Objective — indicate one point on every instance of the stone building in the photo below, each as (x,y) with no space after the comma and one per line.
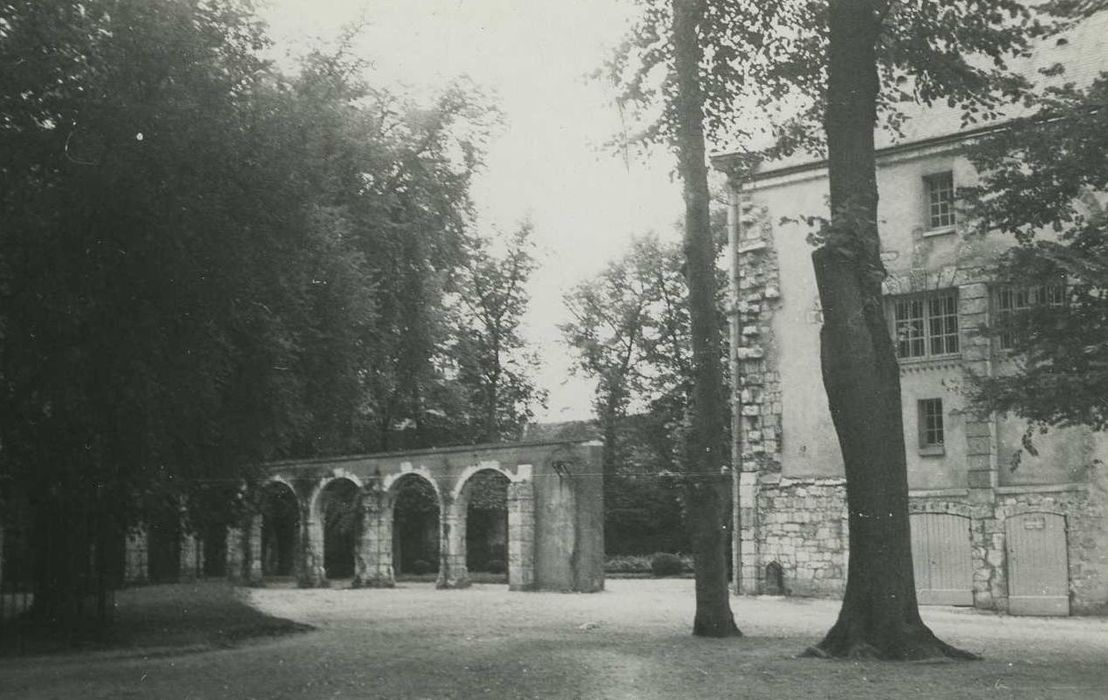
(350,518)
(1032,539)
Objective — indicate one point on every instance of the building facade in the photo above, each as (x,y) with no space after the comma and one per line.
(993,524)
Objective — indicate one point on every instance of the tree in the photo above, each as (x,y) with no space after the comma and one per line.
(196,263)
(1043,180)
(488,355)
(668,36)
(879,616)
(630,332)
(707,452)
(610,317)
(835,71)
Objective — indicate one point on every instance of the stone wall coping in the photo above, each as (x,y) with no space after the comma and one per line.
(938,493)
(485,448)
(803,481)
(1039,488)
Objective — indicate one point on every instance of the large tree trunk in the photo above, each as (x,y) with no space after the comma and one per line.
(880,615)
(706,450)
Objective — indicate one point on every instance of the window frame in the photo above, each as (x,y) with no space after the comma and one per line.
(937,182)
(933,327)
(931,423)
(1051,295)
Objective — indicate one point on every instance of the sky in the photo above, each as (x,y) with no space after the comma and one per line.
(548,161)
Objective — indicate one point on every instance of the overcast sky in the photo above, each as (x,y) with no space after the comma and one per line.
(547,162)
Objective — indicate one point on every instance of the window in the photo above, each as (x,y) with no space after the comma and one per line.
(926,325)
(931,439)
(1009,301)
(940,200)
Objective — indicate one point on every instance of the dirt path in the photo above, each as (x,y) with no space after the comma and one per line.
(629,642)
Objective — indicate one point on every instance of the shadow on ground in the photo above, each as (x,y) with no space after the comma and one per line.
(165,618)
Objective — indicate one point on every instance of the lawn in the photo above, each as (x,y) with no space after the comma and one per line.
(166,617)
(631,641)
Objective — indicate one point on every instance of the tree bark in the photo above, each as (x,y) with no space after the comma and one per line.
(707,452)
(880,615)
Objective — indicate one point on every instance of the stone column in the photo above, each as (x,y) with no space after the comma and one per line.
(373,552)
(135,554)
(452,545)
(312,573)
(748,568)
(253,568)
(982,473)
(188,559)
(521,536)
(236,557)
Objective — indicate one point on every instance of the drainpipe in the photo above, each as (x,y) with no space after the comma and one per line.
(734,235)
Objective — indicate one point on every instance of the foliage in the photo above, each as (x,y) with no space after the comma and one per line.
(631,333)
(666,564)
(627,564)
(206,264)
(488,361)
(421,567)
(630,330)
(496,566)
(488,490)
(769,58)
(1043,180)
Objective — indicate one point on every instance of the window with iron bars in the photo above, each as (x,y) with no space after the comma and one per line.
(925,325)
(1011,300)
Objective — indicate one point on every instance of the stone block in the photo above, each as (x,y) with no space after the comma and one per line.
(978,429)
(980,479)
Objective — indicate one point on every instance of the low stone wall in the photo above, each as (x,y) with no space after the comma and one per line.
(801,526)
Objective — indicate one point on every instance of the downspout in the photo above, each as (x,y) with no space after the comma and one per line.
(734,235)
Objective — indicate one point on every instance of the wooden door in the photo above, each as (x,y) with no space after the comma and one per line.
(1038,564)
(942,560)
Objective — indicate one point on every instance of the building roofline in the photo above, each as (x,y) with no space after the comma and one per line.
(720,160)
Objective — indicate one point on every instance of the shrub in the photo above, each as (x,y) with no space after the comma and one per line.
(496,566)
(421,567)
(666,564)
(627,564)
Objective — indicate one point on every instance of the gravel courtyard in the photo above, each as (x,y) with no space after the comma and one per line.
(631,641)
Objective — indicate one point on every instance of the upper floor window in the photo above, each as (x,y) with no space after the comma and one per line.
(926,325)
(1011,300)
(940,200)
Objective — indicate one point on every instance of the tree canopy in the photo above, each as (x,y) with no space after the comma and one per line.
(1043,182)
(207,263)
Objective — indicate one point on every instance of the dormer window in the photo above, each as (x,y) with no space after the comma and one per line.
(940,201)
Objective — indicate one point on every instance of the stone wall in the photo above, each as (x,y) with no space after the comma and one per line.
(802,528)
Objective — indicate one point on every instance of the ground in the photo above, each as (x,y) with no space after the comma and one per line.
(632,641)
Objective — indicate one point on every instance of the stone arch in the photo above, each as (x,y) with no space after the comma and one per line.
(1012,511)
(414,520)
(467,473)
(339,512)
(518,526)
(963,510)
(485,520)
(388,484)
(314,501)
(279,506)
